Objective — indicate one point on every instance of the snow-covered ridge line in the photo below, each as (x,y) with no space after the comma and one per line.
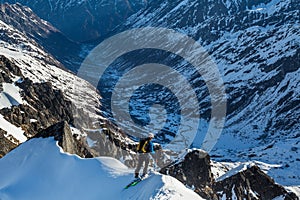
(102,177)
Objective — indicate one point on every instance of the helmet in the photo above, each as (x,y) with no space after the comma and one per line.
(151,135)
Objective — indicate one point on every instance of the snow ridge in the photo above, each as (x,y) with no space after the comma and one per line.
(77,178)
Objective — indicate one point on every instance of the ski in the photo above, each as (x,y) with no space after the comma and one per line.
(133,183)
(136,181)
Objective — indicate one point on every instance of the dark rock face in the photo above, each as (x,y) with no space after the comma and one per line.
(8,67)
(69,143)
(46,106)
(194,171)
(110,141)
(251,183)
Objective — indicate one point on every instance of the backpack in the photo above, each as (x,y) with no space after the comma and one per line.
(143,146)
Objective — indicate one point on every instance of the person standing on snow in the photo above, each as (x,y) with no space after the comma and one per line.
(144,147)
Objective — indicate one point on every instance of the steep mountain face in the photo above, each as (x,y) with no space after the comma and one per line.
(50,108)
(255,45)
(31,107)
(84,20)
(50,38)
(40,67)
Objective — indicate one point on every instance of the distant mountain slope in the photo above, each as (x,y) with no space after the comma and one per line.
(255,45)
(48,37)
(83,20)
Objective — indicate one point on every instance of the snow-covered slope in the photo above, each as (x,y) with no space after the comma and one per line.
(38,169)
(39,67)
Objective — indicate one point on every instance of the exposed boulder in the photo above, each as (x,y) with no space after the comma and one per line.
(62,133)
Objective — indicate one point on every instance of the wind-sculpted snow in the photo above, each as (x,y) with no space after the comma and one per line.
(38,169)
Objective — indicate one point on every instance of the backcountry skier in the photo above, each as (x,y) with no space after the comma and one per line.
(144,148)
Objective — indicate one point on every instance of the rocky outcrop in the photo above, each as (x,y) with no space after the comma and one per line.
(7,69)
(195,172)
(44,106)
(110,141)
(251,183)
(6,145)
(47,106)
(69,143)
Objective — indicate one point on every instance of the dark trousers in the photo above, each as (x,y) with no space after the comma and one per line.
(143,158)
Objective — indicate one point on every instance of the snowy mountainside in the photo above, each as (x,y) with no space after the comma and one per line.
(39,66)
(83,20)
(52,174)
(255,45)
(50,38)
(39,72)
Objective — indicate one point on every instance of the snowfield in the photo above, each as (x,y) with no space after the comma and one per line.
(38,169)
(10,96)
